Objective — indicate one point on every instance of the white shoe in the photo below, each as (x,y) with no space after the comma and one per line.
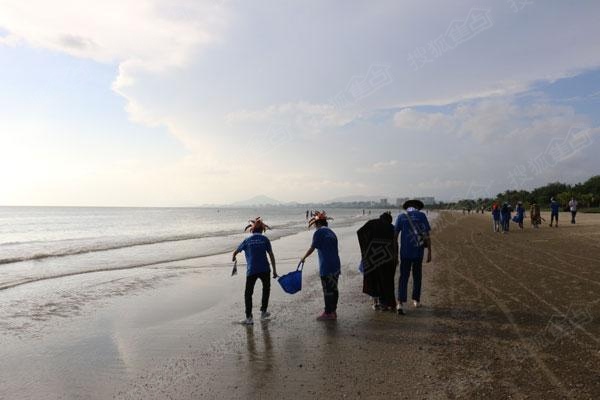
(247,321)
(400,309)
(265,315)
(416,304)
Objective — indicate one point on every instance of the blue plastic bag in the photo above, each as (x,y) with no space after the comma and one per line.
(292,282)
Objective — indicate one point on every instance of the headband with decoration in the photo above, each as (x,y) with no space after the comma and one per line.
(318,216)
(256,225)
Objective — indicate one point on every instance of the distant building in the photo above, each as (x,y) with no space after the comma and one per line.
(383,202)
(428,201)
(400,201)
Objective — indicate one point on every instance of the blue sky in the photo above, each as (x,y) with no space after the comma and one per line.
(157,103)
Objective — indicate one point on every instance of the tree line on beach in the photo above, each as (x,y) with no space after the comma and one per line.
(587,195)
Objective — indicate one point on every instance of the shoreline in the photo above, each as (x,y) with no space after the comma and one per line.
(123,253)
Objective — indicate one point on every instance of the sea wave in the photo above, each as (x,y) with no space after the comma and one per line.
(134,242)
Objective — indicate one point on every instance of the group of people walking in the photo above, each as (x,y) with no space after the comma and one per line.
(257,247)
(378,240)
(502,215)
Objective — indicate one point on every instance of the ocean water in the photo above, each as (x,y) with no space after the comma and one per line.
(39,243)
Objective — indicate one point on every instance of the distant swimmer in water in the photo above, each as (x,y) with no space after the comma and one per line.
(256,248)
(306,214)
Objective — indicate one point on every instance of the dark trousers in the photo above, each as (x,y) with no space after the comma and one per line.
(573,214)
(330,292)
(387,297)
(265,278)
(406,266)
(553,217)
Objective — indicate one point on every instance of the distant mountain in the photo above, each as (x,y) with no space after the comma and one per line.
(260,200)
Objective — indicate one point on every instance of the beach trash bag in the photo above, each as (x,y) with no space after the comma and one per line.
(292,282)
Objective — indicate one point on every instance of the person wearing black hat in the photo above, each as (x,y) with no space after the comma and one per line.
(414,229)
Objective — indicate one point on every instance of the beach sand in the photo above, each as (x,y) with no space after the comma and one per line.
(504,316)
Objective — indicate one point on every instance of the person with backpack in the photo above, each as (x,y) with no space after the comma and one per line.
(326,243)
(413,229)
(255,248)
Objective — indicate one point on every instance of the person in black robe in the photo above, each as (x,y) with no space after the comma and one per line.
(379,259)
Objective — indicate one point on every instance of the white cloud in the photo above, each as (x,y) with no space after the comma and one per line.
(379,166)
(301,117)
(154,33)
(409,118)
(139,35)
(494,120)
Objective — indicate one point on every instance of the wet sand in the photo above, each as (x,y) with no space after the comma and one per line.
(500,320)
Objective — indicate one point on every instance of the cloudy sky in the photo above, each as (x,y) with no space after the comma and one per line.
(181,102)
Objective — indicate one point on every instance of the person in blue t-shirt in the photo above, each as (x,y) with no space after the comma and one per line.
(415,229)
(505,214)
(326,243)
(256,248)
(520,216)
(496,217)
(554,207)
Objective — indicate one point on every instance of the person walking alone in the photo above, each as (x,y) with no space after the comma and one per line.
(554,207)
(573,209)
(256,248)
